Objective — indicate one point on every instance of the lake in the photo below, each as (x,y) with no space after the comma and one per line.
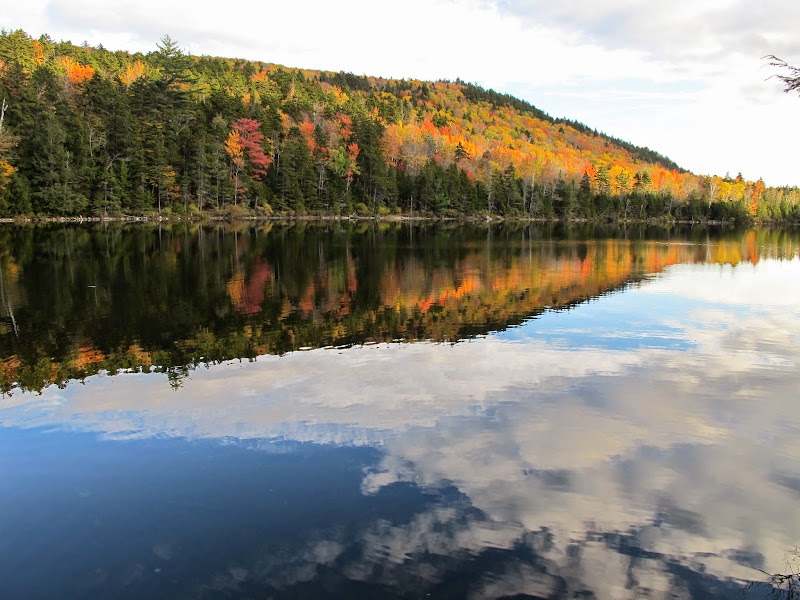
(398,411)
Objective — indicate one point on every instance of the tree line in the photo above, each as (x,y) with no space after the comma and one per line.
(88,131)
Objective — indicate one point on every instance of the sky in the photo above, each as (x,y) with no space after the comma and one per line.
(686,78)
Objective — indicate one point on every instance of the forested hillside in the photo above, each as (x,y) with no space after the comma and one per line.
(87,131)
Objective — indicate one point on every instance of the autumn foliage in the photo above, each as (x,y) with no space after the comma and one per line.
(249,139)
(132,132)
(271,289)
(75,72)
(133,71)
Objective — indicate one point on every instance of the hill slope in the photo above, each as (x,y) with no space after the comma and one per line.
(89,131)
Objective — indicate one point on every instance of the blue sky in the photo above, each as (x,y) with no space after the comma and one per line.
(685,78)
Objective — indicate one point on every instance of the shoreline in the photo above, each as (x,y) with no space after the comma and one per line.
(658,221)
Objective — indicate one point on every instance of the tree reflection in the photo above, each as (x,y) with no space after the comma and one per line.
(79,300)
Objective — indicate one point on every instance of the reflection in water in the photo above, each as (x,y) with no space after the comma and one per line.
(640,445)
(80,301)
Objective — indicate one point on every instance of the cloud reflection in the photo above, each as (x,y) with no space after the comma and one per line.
(694,453)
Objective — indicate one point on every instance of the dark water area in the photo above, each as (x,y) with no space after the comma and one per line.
(387,410)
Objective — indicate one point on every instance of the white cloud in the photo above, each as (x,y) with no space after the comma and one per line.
(690,30)
(770,284)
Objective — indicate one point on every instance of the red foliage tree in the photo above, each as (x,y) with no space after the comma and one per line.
(250,138)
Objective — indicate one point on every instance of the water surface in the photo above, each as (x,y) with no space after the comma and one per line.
(396,411)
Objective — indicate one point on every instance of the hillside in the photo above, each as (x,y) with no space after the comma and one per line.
(93,132)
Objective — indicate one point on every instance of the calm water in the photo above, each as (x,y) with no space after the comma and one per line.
(384,411)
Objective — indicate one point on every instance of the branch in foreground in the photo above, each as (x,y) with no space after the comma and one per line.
(791,82)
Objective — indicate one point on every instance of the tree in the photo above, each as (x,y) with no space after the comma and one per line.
(603,181)
(174,63)
(460,152)
(235,151)
(243,147)
(791,81)
(6,170)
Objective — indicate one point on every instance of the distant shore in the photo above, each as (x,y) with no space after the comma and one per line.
(221,218)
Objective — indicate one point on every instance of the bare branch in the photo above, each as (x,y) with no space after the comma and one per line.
(3,109)
(791,82)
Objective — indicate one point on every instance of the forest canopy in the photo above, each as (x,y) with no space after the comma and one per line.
(88,131)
